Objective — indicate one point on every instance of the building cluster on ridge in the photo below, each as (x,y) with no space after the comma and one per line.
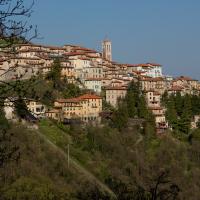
(93,71)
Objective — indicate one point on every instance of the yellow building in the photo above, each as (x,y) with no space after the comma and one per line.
(153,100)
(85,108)
(113,94)
(156,84)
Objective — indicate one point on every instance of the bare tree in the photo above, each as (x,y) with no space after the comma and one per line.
(13,22)
(14,30)
(159,188)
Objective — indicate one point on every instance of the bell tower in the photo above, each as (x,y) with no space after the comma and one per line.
(107,49)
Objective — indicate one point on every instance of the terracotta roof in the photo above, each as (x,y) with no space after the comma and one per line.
(116,88)
(93,56)
(71,100)
(84,58)
(132,65)
(78,99)
(176,88)
(89,96)
(147,78)
(185,78)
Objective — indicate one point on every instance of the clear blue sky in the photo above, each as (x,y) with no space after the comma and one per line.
(163,31)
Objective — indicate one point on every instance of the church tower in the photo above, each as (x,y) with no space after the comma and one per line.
(107,50)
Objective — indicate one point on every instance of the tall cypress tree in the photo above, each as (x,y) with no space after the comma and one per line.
(120,116)
(142,108)
(185,118)
(178,103)
(130,99)
(55,74)
(171,114)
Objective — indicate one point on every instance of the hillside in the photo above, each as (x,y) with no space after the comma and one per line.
(42,171)
(103,163)
(115,160)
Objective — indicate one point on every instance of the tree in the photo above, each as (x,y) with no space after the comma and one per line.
(55,74)
(178,103)
(13,31)
(28,188)
(131,100)
(4,125)
(195,101)
(21,108)
(142,108)
(8,151)
(71,90)
(160,188)
(13,27)
(171,114)
(91,192)
(120,116)
(185,118)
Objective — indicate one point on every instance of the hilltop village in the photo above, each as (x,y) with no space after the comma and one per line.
(96,72)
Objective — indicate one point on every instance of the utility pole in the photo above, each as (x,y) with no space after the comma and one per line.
(68,155)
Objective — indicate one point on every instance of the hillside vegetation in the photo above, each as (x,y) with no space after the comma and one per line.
(115,160)
(127,163)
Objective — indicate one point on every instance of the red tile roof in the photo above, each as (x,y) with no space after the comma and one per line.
(78,99)
(89,96)
(184,78)
(116,88)
(71,100)
(176,88)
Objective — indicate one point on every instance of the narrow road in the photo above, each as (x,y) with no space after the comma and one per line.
(74,163)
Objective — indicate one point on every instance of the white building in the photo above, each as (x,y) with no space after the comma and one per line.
(94,84)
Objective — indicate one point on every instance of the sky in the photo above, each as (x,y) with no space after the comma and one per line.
(162,31)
